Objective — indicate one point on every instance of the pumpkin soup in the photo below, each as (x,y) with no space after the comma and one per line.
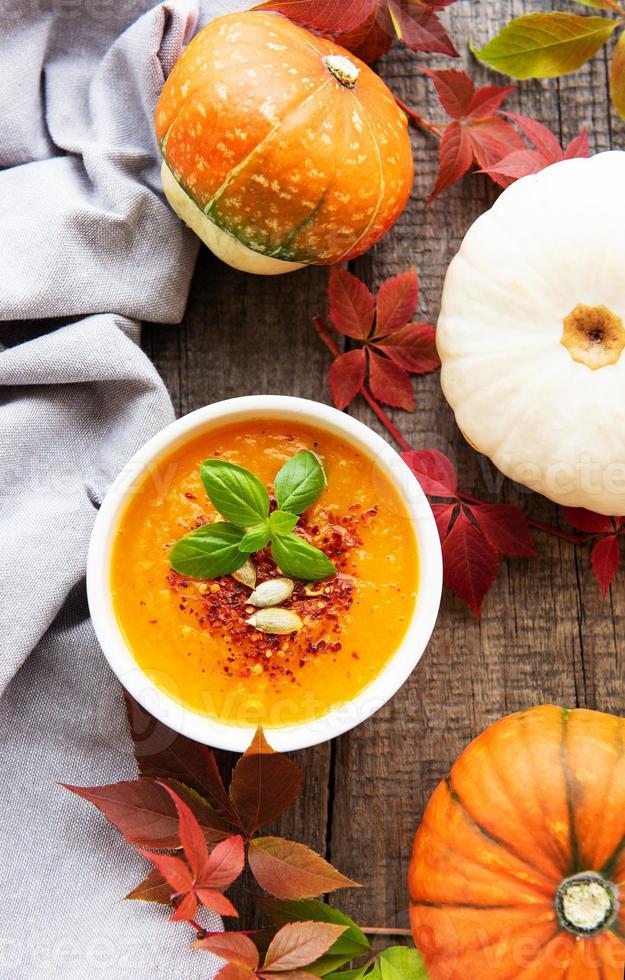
(264,572)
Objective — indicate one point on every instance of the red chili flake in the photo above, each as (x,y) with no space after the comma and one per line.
(190,496)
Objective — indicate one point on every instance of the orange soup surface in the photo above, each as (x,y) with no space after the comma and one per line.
(190,636)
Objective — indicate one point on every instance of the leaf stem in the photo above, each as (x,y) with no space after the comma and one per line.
(324,333)
(375,931)
(538,525)
(419,121)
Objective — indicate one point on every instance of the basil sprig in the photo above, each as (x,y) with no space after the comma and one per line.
(239,496)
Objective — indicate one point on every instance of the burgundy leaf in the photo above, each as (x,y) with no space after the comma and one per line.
(371,39)
(413,348)
(455,157)
(443,514)
(519,164)
(140,809)
(347,376)
(542,138)
(419,28)
(397,301)
(505,528)
(163,754)
(605,560)
(330,17)
(488,100)
(264,784)
(455,90)
(470,564)
(493,139)
(587,520)
(434,471)
(389,383)
(351,304)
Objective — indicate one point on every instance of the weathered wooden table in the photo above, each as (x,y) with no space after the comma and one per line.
(545,634)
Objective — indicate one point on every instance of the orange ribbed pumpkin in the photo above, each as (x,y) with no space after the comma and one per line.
(280,148)
(519,863)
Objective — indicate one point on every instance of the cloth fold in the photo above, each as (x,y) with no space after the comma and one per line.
(84,231)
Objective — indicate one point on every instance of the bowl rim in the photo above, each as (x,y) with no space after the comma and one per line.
(203,728)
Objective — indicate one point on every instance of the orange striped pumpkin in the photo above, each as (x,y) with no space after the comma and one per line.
(280,148)
(519,863)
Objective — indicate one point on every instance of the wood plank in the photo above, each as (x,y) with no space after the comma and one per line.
(545,635)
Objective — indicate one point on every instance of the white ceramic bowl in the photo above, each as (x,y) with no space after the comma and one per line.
(399,667)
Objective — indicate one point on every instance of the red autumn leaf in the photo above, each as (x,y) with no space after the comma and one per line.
(373,38)
(153,888)
(470,563)
(220,867)
(455,90)
(264,784)
(455,157)
(488,100)
(443,514)
(505,528)
(347,376)
(389,383)
(605,560)
(299,944)
(578,147)
(140,809)
(233,972)
(412,348)
(162,753)
(235,947)
(288,870)
(290,975)
(492,139)
(329,17)
(396,302)
(417,25)
(587,520)
(546,151)
(434,471)
(351,304)
(201,875)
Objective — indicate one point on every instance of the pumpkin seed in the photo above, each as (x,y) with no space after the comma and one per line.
(272,593)
(246,574)
(277,621)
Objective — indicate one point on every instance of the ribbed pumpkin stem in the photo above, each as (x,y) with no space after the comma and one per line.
(344,70)
(586,903)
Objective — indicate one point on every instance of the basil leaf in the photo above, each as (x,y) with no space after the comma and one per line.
(299,559)
(300,482)
(238,495)
(256,538)
(281,522)
(209,551)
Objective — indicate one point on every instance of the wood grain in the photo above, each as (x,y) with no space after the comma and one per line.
(545,635)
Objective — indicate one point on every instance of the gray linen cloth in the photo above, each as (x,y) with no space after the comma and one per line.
(84,232)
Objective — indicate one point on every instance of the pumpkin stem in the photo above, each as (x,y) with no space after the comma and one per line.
(593,335)
(344,70)
(586,903)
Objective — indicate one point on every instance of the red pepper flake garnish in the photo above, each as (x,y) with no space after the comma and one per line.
(221,607)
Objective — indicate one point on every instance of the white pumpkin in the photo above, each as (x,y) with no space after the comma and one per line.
(532,330)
